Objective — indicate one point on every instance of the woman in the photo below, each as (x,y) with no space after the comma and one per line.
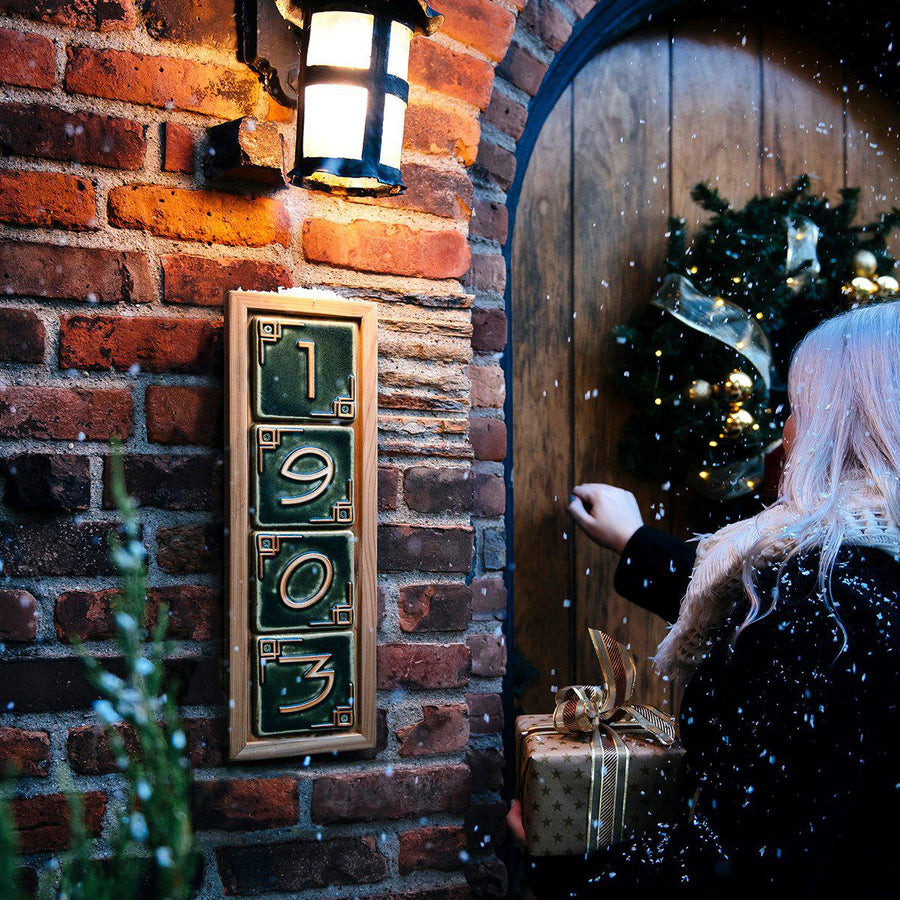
(789,631)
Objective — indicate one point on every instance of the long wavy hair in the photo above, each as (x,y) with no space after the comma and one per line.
(840,483)
(843,469)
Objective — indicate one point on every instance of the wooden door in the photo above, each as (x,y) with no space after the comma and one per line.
(742,105)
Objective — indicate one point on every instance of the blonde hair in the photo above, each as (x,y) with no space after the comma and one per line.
(840,485)
(843,469)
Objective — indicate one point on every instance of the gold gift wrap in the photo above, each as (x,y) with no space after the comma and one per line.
(598,770)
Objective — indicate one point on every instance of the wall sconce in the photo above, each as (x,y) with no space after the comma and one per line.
(349,76)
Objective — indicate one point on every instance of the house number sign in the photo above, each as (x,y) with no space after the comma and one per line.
(302,411)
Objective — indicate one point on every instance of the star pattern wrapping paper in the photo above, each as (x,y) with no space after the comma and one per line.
(555,779)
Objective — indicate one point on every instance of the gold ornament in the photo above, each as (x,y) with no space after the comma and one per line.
(738,387)
(888,284)
(699,391)
(737,422)
(865,263)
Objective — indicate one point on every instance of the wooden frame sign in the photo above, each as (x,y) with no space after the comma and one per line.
(302,429)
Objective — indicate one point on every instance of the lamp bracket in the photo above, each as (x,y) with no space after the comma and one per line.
(270,45)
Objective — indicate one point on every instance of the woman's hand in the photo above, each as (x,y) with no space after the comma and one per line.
(514,823)
(607,514)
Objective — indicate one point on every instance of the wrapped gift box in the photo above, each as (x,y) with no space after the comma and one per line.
(598,770)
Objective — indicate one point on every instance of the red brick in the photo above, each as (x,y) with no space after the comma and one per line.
(488,387)
(523,69)
(367,796)
(490,495)
(487,877)
(162,81)
(190,549)
(184,415)
(487,273)
(207,216)
(488,654)
(56,413)
(21,336)
(435,607)
(489,327)
(442,131)
(422,665)
(89,138)
(440,847)
(547,21)
(167,481)
(436,489)
(95,15)
(490,219)
(389,249)
(442,729)
(450,72)
(74,273)
(486,26)
(47,200)
(211,23)
(207,742)
(580,7)
(55,547)
(388,484)
(435,191)
(57,481)
(409,547)
(487,769)
(194,613)
(488,438)
(89,751)
(154,344)
(42,821)
(496,164)
(24,753)
(245,804)
(202,281)
(485,713)
(506,114)
(488,597)
(293,867)
(18,616)
(26,60)
(178,148)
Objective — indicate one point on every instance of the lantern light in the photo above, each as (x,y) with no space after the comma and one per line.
(352,91)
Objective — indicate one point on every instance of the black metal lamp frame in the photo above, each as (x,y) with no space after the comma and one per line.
(278,50)
(378,83)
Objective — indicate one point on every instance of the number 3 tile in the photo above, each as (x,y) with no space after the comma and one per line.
(304,683)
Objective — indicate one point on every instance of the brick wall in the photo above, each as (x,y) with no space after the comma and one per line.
(115,254)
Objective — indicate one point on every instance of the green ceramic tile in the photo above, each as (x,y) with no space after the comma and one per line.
(302,580)
(304,684)
(302,475)
(303,369)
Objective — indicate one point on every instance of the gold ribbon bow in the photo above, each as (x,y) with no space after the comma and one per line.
(603,711)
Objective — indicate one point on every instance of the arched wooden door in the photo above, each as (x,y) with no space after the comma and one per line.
(742,105)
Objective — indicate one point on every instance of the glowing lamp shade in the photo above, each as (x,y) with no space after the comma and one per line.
(353,94)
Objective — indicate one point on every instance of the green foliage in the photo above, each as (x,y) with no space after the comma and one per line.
(152,847)
(152,837)
(741,256)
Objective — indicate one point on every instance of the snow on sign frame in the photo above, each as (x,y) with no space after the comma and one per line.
(302,474)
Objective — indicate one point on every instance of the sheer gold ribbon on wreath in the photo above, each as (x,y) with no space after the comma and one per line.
(727,323)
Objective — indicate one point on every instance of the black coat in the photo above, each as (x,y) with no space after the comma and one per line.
(793,742)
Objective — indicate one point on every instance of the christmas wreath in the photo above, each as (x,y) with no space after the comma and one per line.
(705,365)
